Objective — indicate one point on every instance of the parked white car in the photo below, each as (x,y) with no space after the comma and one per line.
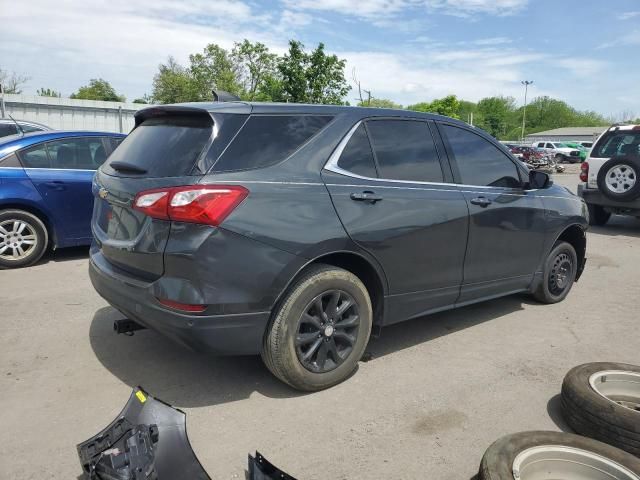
(611,175)
(560,151)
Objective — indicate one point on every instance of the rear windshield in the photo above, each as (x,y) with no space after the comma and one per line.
(165,147)
(618,143)
(268,139)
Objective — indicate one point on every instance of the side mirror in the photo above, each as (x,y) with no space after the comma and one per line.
(539,179)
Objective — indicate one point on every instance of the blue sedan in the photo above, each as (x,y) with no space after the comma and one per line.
(45,191)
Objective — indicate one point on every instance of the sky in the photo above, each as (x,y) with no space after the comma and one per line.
(583,52)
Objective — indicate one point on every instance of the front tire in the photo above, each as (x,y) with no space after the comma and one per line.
(598,215)
(319,330)
(23,239)
(559,273)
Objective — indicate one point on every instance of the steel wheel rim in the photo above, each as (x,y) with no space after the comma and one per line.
(560,274)
(568,463)
(18,239)
(620,178)
(618,386)
(327,331)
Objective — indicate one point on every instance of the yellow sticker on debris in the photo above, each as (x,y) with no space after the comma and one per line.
(141,396)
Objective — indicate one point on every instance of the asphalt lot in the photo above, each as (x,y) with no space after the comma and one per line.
(436,392)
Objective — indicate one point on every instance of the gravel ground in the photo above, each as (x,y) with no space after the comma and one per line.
(436,392)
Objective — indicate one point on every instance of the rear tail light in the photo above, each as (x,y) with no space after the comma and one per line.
(206,204)
(584,171)
(184,307)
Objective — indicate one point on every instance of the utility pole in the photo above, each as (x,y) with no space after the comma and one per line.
(526,84)
(2,100)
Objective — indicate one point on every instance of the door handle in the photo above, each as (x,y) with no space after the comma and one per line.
(482,201)
(55,185)
(366,196)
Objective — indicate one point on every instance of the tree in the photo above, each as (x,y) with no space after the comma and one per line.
(12,82)
(379,103)
(447,106)
(98,89)
(173,84)
(255,70)
(213,69)
(312,78)
(48,92)
(497,115)
(144,99)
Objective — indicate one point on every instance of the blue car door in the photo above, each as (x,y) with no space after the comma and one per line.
(62,171)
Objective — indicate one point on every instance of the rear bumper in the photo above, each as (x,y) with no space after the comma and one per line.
(231,334)
(594,197)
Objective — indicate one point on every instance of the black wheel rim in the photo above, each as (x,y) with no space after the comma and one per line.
(327,331)
(560,275)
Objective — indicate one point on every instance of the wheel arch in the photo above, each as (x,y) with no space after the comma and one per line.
(362,267)
(38,212)
(576,236)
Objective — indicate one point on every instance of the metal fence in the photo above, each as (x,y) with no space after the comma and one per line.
(71,114)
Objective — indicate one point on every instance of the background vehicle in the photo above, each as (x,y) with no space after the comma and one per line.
(578,146)
(611,175)
(45,191)
(9,127)
(301,228)
(559,151)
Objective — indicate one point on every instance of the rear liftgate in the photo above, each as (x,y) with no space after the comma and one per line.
(148,441)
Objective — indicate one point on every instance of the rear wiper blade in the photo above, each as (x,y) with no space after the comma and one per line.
(126,167)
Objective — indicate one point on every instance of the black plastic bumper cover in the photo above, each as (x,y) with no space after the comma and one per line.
(148,441)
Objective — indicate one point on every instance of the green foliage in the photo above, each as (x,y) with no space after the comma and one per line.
(379,103)
(496,113)
(448,106)
(312,77)
(98,89)
(48,92)
(213,69)
(256,71)
(173,84)
(144,99)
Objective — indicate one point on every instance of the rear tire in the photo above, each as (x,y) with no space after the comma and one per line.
(559,273)
(619,179)
(598,215)
(23,239)
(559,455)
(307,345)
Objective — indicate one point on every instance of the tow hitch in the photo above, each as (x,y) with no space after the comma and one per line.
(126,326)
(148,441)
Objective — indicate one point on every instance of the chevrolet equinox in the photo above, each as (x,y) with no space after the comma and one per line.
(293,231)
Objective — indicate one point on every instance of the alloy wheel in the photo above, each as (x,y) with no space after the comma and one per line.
(327,331)
(620,178)
(17,239)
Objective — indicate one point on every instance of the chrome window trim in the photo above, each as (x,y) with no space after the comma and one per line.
(332,166)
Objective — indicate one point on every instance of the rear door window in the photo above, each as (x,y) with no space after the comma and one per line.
(405,150)
(165,146)
(268,139)
(35,157)
(7,129)
(479,161)
(77,153)
(357,156)
(618,143)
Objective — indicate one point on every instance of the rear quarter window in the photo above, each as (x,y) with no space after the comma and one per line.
(618,143)
(268,139)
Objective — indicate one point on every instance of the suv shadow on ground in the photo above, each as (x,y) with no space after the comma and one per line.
(188,379)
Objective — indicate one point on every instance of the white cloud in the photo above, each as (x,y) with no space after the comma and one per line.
(382,10)
(628,15)
(631,38)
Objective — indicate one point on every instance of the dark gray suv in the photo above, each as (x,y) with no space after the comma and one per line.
(293,230)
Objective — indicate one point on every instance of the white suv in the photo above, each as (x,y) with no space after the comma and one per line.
(611,174)
(560,151)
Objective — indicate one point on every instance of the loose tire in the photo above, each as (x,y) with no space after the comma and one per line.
(619,179)
(547,455)
(320,329)
(559,273)
(23,239)
(602,401)
(598,215)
